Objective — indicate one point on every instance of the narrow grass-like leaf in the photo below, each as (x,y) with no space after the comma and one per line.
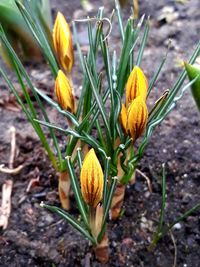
(105,52)
(29,116)
(54,104)
(77,192)
(80,54)
(119,16)
(165,109)
(21,72)
(143,43)
(182,217)
(95,111)
(179,82)
(99,103)
(162,211)
(107,207)
(82,104)
(106,173)
(124,57)
(67,131)
(79,157)
(100,135)
(156,74)
(40,37)
(65,215)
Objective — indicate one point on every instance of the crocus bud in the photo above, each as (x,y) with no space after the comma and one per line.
(123,117)
(91,179)
(137,118)
(63,92)
(62,40)
(137,84)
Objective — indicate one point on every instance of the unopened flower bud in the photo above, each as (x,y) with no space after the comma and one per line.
(137,118)
(137,84)
(92,179)
(62,40)
(63,92)
(123,117)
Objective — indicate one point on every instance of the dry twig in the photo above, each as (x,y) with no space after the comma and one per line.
(5,208)
(12,146)
(147,179)
(11,171)
(175,248)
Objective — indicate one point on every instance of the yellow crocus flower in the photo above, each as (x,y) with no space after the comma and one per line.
(63,92)
(91,179)
(137,84)
(62,40)
(136,118)
(123,117)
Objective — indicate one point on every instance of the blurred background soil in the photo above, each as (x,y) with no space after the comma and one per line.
(35,237)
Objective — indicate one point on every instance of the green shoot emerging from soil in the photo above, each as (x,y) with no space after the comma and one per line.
(162,228)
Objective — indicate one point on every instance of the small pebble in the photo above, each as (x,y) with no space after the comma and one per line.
(144,219)
(177,226)
(147,194)
(49,219)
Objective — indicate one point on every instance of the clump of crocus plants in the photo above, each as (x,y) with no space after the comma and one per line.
(104,124)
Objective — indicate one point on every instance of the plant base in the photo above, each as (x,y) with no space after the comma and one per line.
(117,201)
(102,250)
(64,190)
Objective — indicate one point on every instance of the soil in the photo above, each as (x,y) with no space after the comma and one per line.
(35,237)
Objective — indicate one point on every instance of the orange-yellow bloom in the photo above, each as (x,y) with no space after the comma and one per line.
(137,84)
(92,179)
(123,117)
(62,40)
(137,118)
(63,92)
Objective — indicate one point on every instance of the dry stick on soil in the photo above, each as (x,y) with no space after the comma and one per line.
(12,146)
(175,248)
(5,209)
(6,203)
(35,180)
(147,179)
(11,171)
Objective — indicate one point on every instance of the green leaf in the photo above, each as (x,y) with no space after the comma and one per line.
(156,74)
(35,27)
(65,215)
(192,73)
(30,117)
(66,113)
(67,131)
(21,73)
(158,232)
(77,192)
(119,16)
(143,43)
(107,206)
(99,102)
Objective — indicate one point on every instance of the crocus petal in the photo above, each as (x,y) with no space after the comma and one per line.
(62,40)
(137,118)
(123,117)
(137,84)
(63,92)
(91,179)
